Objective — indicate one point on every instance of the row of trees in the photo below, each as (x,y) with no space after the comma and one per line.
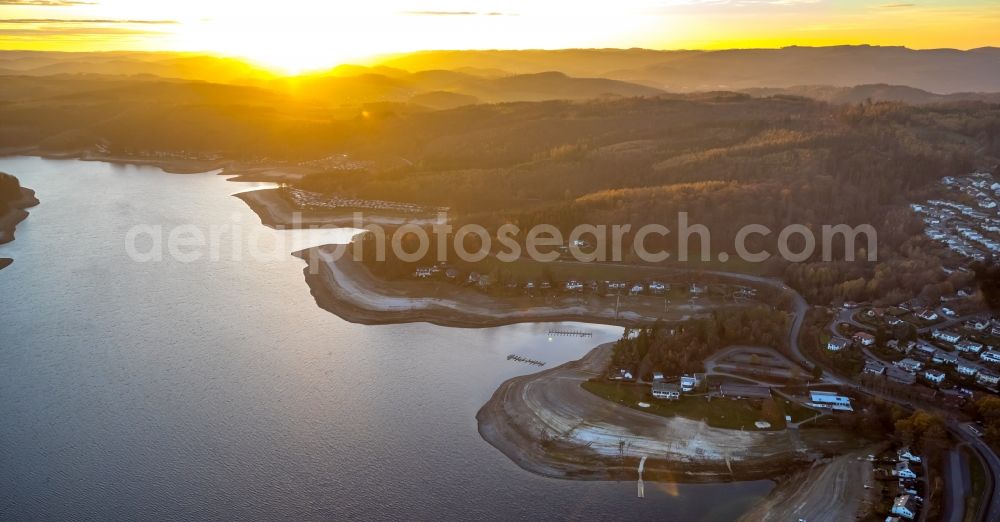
(682,349)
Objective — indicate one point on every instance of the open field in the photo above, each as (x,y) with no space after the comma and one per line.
(716,412)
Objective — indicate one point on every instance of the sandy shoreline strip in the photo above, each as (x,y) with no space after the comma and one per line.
(346,288)
(275,212)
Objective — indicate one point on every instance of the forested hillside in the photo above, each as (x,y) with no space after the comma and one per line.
(727,159)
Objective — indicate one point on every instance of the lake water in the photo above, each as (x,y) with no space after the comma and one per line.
(217,389)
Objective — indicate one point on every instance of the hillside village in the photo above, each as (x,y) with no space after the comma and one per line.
(969,224)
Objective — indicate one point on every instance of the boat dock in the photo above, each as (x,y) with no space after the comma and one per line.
(518,358)
(571,333)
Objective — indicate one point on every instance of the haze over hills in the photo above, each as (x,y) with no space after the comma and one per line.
(940,70)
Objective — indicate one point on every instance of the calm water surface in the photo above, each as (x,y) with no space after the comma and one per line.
(218,390)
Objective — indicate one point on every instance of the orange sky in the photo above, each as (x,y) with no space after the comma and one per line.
(295,35)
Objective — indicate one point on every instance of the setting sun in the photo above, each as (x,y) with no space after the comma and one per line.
(303,35)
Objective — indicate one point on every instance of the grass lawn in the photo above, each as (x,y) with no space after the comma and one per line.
(718,413)
(797,411)
(978,476)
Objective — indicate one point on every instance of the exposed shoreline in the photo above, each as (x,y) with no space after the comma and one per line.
(582,433)
(275,212)
(347,289)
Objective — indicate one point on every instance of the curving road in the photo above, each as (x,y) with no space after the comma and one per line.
(990,510)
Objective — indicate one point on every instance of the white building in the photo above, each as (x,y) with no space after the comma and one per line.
(988,378)
(836,344)
(966,368)
(662,390)
(830,400)
(902,470)
(935,376)
(990,356)
(904,453)
(946,336)
(689,383)
(969,346)
(864,339)
(910,365)
(905,506)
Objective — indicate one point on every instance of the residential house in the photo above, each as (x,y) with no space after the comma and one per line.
(987,378)
(657,376)
(668,391)
(969,346)
(622,375)
(992,356)
(934,376)
(979,325)
(836,344)
(903,348)
(904,453)
(910,365)
(946,336)
(874,367)
(690,382)
(902,470)
(830,400)
(967,368)
(864,339)
(945,358)
(928,314)
(924,351)
(615,286)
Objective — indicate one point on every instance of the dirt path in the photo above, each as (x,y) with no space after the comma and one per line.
(832,491)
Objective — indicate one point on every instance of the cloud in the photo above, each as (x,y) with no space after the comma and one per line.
(34,33)
(45,3)
(455,13)
(11,21)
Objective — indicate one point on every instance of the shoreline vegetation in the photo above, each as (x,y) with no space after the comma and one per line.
(14,200)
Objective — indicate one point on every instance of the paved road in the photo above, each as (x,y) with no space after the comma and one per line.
(991,507)
(990,510)
(954,475)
